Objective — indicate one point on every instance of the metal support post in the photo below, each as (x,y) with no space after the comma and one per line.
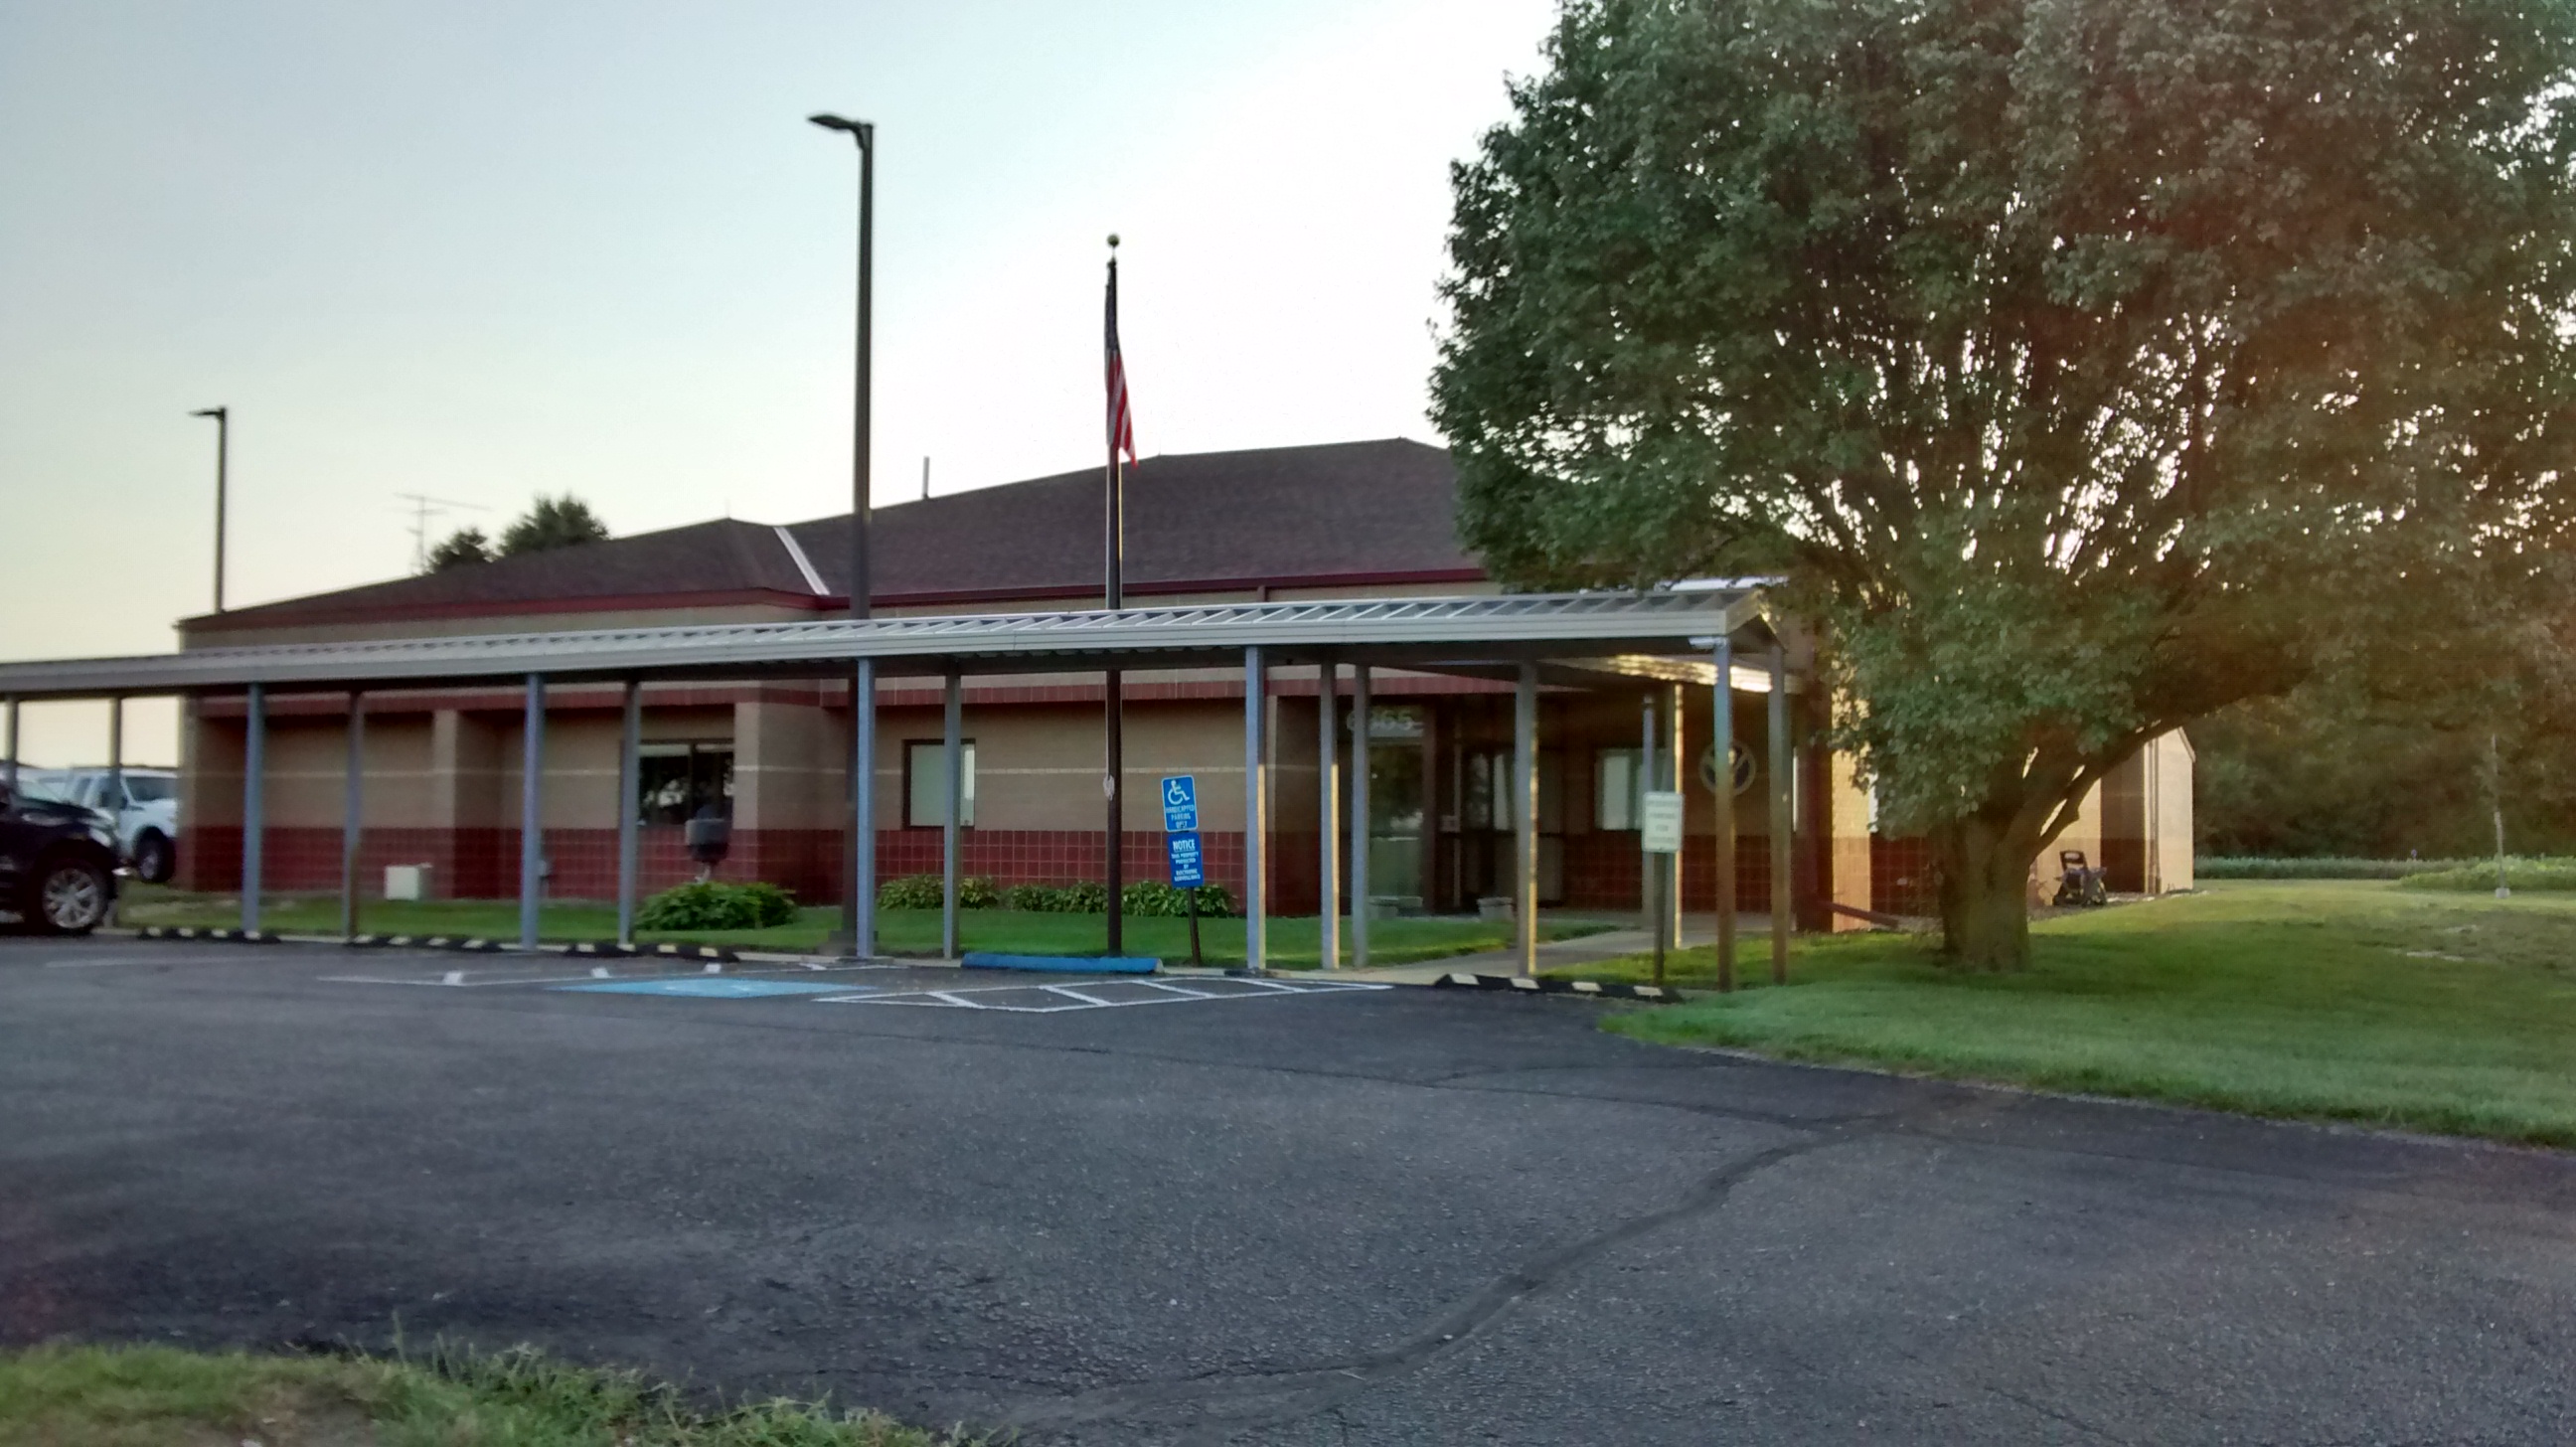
(254,812)
(1650,869)
(1256,821)
(1328,804)
(117,803)
(1525,818)
(1113,790)
(630,800)
(1721,739)
(116,760)
(532,797)
(863,810)
(353,813)
(10,764)
(1783,770)
(1359,816)
(1677,768)
(953,807)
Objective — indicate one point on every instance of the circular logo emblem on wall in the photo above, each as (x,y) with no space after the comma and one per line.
(1737,755)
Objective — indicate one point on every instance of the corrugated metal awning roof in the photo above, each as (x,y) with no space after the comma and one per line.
(1392,631)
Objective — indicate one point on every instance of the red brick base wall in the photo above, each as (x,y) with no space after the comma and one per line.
(484,863)
(1602,871)
(1902,876)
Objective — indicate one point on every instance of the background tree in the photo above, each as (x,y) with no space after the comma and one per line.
(553,522)
(2331,770)
(463,546)
(2084,366)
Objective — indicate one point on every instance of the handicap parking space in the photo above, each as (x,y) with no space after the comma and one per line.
(896,983)
(703,987)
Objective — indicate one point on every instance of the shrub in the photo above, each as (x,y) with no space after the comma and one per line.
(711,906)
(1036,898)
(2519,874)
(912,891)
(1142,897)
(1154,897)
(2246,867)
(925,891)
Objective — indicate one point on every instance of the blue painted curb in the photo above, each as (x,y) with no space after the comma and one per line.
(1062,964)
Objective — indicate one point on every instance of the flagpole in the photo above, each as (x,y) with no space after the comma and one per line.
(1114,781)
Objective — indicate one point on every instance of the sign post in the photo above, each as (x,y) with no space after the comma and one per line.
(1181,847)
(1659,825)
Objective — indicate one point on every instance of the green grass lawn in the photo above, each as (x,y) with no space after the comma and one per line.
(2338,1000)
(72,1396)
(1295,943)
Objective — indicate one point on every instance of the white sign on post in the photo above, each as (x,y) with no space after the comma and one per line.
(1660,820)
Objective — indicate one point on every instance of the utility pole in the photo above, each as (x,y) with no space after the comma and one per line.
(223,449)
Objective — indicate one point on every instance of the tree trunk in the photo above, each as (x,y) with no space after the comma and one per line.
(1985,892)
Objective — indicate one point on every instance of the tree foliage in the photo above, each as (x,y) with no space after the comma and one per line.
(2331,770)
(2083,366)
(461,547)
(553,522)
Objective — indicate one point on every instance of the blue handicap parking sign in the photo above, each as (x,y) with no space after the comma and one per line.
(1180,804)
(1183,846)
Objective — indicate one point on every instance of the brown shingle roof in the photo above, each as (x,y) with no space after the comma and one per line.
(1345,512)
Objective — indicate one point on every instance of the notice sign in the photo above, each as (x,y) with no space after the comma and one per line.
(1184,851)
(1660,820)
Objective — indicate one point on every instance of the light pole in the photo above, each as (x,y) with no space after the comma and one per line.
(223,446)
(858,915)
(865,133)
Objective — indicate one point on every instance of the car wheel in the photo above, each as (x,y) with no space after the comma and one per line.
(154,860)
(70,897)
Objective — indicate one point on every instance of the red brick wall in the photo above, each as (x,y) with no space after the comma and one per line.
(484,863)
(1902,877)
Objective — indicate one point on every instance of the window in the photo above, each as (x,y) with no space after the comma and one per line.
(148,788)
(1618,783)
(925,783)
(675,781)
(1489,790)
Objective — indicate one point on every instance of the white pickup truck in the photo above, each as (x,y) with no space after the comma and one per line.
(147,816)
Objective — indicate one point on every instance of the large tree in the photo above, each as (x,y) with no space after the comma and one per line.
(2081,366)
(550,523)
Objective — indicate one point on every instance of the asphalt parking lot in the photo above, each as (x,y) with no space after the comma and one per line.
(1274,1216)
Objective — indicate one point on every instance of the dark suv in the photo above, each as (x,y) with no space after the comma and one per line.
(57,863)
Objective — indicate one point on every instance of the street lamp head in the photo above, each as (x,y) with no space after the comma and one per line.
(214,412)
(859,130)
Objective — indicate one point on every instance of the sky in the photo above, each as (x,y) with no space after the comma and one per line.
(479,251)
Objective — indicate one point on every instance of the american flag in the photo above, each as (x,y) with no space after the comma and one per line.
(1122,423)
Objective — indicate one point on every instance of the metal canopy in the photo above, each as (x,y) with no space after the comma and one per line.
(1388,631)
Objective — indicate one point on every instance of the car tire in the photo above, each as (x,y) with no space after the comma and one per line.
(70,896)
(154,860)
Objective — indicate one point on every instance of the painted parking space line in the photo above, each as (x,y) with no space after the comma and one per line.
(159,959)
(1099,994)
(504,978)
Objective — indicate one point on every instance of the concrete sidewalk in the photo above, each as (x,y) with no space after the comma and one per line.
(1697,930)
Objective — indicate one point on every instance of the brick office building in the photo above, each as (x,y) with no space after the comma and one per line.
(1370,519)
